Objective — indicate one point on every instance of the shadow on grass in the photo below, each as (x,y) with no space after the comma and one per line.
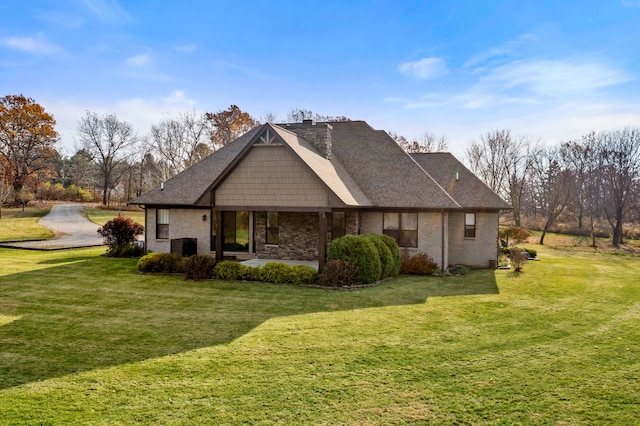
(98,312)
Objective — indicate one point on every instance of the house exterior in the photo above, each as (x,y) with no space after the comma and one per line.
(285,191)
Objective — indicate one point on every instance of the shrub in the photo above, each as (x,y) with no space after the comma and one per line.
(418,264)
(231,271)
(198,267)
(532,252)
(303,274)
(360,251)
(395,253)
(513,232)
(128,250)
(386,258)
(459,270)
(168,263)
(119,232)
(274,272)
(517,259)
(339,273)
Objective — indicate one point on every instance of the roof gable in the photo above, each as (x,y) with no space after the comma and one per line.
(464,186)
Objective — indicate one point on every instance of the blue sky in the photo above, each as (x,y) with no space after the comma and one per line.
(552,70)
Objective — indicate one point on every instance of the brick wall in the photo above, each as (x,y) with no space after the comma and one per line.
(476,251)
(298,236)
(183,223)
(429,232)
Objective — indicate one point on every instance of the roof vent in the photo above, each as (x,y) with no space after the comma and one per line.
(161,186)
(457,176)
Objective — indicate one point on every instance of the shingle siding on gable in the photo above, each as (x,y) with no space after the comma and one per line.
(476,251)
(271,176)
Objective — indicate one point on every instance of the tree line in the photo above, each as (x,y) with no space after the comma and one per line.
(110,157)
(592,182)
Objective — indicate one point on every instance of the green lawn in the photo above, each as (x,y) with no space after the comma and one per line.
(102,216)
(84,339)
(18,225)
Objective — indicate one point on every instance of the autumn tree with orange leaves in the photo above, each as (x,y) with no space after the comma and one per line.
(27,137)
(228,125)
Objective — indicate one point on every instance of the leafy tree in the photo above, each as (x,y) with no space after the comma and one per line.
(27,137)
(228,125)
(110,142)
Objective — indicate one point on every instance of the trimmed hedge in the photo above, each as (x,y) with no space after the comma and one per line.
(386,258)
(395,253)
(167,263)
(360,251)
(231,271)
(272,272)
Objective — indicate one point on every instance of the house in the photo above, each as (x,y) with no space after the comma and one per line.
(285,191)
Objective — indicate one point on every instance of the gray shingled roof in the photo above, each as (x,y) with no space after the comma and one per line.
(366,169)
(468,190)
(189,186)
(383,171)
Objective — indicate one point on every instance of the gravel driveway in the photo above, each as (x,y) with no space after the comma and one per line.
(72,230)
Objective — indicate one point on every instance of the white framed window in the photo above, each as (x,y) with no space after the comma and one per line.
(469,225)
(162,224)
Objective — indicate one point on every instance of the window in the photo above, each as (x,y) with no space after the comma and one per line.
(235,229)
(272,228)
(162,224)
(403,227)
(469,225)
(338,225)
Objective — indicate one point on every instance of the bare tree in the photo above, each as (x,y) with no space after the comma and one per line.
(619,152)
(503,163)
(297,115)
(179,142)
(6,189)
(110,144)
(428,142)
(552,183)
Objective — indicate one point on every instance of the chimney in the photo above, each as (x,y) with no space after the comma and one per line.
(319,135)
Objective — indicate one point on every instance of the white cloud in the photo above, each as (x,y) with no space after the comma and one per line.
(108,11)
(139,61)
(140,112)
(186,48)
(631,3)
(37,44)
(499,51)
(555,78)
(425,68)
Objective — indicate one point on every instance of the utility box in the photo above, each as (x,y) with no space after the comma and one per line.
(184,246)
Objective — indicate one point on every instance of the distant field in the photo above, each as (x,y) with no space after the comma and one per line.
(17,224)
(102,216)
(85,339)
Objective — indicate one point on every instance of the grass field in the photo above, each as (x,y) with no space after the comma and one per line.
(84,339)
(102,216)
(18,225)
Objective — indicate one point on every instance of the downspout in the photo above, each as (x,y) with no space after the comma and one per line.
(442,242)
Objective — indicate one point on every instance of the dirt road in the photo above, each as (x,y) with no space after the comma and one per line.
(72,230)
